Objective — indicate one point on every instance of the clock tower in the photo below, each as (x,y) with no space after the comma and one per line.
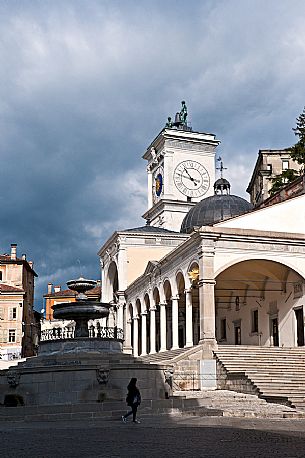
(180,170)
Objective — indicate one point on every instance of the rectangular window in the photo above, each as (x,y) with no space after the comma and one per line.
(254,326)
(285,164)
(1,313)
(13,313)
(12,335)
(223,329)
(269,167)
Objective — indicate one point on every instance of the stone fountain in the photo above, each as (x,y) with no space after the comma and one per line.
(81,364)
(82,310)
(82,339)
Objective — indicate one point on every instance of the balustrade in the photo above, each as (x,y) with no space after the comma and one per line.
(95,332)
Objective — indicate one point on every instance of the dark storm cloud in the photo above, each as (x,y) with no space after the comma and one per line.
(85,86)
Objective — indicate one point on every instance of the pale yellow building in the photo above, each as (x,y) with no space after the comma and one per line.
(18,326)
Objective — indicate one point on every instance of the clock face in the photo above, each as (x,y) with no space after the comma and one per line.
(158,184)
(191,178)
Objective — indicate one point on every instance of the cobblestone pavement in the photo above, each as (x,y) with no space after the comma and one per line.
(155,437)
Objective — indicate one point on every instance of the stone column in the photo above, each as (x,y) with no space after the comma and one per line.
(207,301)
(127,348)
(153,329)
(135,336)
(162,327)
(143,330)
(120,309)
(188,318)
(175,309)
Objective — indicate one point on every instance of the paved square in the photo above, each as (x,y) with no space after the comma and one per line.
(155,437)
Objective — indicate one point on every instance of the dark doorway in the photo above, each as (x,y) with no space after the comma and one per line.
(300,326)
(237,332)
(275,332)
(181,341)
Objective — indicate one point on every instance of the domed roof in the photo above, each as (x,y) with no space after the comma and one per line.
(222,185)
(214,209)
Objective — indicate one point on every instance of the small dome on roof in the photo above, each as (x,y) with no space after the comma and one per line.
(214,209)
(221,186)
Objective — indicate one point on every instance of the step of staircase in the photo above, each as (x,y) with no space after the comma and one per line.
(278,374)
(208,403)
(235,404)
(163,356)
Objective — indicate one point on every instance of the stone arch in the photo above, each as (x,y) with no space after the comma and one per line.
(167,288)
(180,284)
(156,300)
(257,303)
(111,282)
(193,285)
(137,338)
(287,262)
(146,301)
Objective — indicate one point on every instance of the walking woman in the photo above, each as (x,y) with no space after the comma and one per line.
(133,400)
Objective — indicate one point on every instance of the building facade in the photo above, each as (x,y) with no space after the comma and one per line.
(269,164)
(235,276)
(19,332)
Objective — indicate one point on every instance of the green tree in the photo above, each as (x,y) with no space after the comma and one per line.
(278,182)
(297,152)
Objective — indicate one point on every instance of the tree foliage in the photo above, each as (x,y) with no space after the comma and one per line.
(297,152)
(278,182)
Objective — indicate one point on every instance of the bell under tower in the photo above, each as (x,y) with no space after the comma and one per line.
(180,172)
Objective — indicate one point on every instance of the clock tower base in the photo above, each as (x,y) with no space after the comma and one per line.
(168,214)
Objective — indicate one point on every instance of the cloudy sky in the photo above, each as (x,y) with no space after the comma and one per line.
(85,85)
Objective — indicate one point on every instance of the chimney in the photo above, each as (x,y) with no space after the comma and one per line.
(23,257)
(57,289)
(13,251)
(50,288)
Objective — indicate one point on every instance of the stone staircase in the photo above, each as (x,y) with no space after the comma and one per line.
(163,356)
(275,374)
(216,403)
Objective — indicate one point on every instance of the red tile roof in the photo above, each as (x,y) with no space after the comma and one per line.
(9,289)
(68,293)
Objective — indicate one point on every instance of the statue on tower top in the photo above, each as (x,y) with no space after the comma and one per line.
(180,119)
(183,113)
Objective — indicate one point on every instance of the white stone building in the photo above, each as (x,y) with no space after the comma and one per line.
(207,268)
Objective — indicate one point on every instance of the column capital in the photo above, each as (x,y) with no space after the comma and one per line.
(162,304)
(136,317)
(188,290)
(144,313)
(153,309)
(175,298)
